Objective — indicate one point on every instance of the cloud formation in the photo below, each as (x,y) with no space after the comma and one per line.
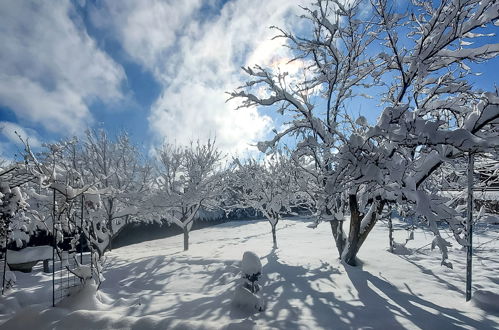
(198,60)
(51,70)
(13,131)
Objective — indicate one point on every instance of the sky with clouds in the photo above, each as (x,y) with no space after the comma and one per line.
(159,69)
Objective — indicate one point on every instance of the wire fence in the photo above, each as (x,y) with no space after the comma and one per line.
(65,266)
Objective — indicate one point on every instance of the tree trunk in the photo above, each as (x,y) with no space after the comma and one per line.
(356,238)
(110,225)
(186,239)
(353,235)
(274,239)
(338,234)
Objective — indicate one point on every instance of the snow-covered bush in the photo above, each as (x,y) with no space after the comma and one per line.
(245,296)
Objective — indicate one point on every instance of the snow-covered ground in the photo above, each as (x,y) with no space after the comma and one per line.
(155,285)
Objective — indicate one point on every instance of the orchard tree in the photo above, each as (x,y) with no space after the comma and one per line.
(431,112)
(122,176)
(267,186)
(189,177)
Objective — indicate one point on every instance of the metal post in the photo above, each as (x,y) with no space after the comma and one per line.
(390,230)
(81,230)
(5,255)
(54,242)
(469,227)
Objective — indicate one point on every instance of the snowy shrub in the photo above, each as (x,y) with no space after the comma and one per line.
(245,296)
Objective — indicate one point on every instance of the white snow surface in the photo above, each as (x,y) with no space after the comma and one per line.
(155,285)
(29,254)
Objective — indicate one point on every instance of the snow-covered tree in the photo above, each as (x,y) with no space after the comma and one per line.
(122,177)
(189,177)
(268,186)
(431,112)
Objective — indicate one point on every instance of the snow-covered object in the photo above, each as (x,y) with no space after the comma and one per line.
(246,296)
(10,277)
(246,300)
(92,200)
(83,271)
(251,264)
(29,254)
(401,249)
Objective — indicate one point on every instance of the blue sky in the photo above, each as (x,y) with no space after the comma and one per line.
(157,69)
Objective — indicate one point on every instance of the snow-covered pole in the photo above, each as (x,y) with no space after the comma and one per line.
(53,249)
(469,227)
(390,230)
(5,253)
(81,229)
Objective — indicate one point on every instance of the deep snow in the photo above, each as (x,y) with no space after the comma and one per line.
(155,285)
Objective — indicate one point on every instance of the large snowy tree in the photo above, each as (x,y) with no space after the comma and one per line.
(420,72)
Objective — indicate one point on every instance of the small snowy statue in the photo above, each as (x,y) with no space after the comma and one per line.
(246,293)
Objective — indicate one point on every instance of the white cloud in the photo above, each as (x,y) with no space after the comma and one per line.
(197,62)
(11,131)
(146,28)
(51,70)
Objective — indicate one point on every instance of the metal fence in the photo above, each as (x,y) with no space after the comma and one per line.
(64,267)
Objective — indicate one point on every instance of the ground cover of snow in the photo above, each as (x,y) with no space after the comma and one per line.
(29,254)
(155,285)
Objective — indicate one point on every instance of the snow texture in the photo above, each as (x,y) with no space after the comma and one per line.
(154,285)
(29,254)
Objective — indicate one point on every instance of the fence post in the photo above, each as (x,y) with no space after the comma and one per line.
(469,227)
(54,242)
(5,254)
(81,230)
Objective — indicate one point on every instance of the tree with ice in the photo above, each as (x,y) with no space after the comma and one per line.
(189,177)
(431,112)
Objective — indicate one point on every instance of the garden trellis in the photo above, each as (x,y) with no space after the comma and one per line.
(67,233)
(11,178)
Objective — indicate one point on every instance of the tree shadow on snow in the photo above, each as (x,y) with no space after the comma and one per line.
(384,305)
(297,296)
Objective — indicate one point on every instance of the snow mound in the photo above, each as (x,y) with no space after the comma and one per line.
(87,298)
(251,264)
(486,300)
(401,249)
